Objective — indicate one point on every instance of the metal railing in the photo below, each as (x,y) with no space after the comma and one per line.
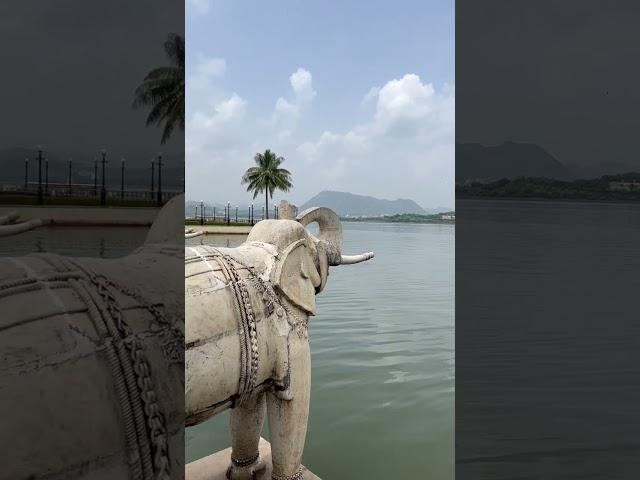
(86,191)
(100,187)
(207,215)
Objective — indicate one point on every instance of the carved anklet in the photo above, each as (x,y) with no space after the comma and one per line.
(296,476)
(245,462)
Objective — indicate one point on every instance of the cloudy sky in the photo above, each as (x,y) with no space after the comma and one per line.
(356,97)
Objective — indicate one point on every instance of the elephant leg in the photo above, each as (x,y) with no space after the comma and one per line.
(246,425)
(288,418)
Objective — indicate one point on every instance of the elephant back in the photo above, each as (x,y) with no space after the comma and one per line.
(236,328)
(95,368)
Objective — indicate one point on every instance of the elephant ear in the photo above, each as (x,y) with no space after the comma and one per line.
(296,276)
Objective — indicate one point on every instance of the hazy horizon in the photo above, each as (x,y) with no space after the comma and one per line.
(277,197)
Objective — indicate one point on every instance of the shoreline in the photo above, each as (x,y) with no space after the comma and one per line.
(547,199)
(242,230)
(397,223)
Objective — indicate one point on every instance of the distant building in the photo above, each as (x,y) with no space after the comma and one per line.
(448,216)
(624,185)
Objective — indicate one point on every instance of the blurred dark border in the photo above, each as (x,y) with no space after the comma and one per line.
(91,241)
(547,235)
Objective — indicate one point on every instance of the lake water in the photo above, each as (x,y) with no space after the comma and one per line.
(85,241)
(547,340)
(382,396)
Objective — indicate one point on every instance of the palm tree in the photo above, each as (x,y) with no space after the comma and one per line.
(267,176)
(163,90)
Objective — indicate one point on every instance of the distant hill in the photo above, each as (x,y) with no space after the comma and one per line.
(349,204)
(509,160)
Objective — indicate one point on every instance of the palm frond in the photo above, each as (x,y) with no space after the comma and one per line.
(162,89)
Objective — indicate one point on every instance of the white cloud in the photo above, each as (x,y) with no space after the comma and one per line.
(285,109)
(408,146)
(302,84)
(287,112)
(210,67)
(199,6)
(372,94)
(207,131)
(404,98)
(203,74)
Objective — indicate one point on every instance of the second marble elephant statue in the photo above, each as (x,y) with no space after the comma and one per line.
(246,336)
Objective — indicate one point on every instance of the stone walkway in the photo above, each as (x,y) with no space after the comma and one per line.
(217,229)
(83,215)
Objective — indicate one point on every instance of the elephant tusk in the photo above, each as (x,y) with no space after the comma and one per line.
(351,259)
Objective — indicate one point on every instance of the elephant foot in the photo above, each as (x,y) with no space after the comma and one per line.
(245,469)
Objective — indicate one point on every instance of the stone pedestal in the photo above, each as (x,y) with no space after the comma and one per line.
(214,467)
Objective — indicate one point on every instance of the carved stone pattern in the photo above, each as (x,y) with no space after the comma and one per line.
(142,419)
(248,333)
(299,475)
(155,422)
(245,462)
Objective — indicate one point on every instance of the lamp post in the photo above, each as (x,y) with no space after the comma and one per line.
(95,177)
(252,214)
(214,214)
(152,175)
(159,179)
(122,179)
(262,212)
(201,212)
(228,213)
(103,191)
(39,175)
(46,176)
(236,213)
(70,163)
(26,174)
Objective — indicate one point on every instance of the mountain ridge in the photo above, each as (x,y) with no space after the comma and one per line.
(351,204)
(507,160)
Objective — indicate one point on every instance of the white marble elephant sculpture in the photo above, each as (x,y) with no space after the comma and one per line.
(246,334)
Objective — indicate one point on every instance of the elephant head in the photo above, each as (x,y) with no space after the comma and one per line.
(303,260)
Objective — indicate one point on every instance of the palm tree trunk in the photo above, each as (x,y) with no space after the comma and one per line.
(266,204)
